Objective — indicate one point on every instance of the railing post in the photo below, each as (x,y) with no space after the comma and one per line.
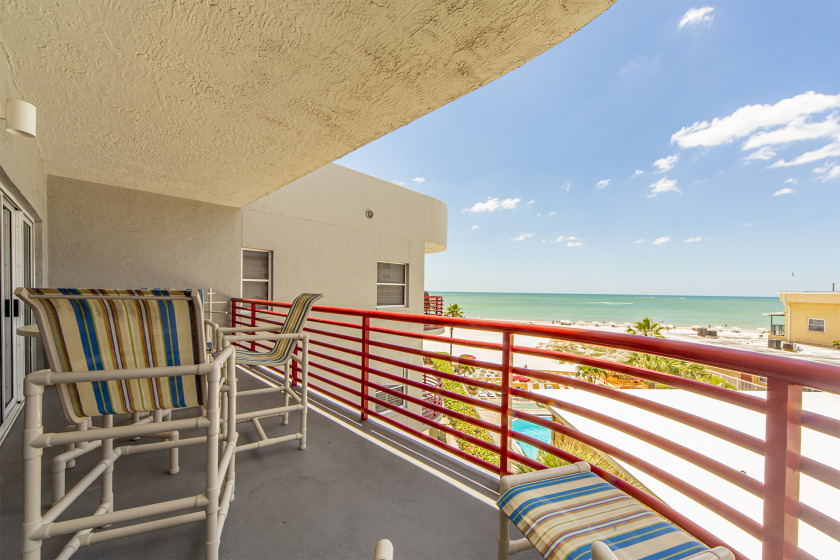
(365,365)
(295,369)
(783,434)
(253,324)
(507,364)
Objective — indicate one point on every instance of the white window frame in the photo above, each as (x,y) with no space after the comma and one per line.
(268,281)
(822,330)
(403,284)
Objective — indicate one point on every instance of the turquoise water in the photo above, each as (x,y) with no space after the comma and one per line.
(683,311)
(531,430)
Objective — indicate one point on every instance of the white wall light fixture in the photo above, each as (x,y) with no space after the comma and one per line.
(19,116)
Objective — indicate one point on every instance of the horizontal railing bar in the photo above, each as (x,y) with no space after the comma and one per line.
(347,337)
(727,395)
(818,520)
(819,471)
(347,402)
(423,369)
(437,443)
(725,472)
(713,428)
(820,423)
(328,369)
(335,384)
(448,429)
(320,344)
(445,411)
(810,374)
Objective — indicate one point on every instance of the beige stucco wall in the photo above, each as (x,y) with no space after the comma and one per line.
(109,237)
(323,241)
(23,173)
(801,306)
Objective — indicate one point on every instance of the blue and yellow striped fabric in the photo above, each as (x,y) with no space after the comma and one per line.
(283,348)
(563,516)
(97,333)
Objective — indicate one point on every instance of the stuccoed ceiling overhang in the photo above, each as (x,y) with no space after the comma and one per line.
(225,102)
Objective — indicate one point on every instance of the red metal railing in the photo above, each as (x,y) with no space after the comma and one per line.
(432,305)
(354,353)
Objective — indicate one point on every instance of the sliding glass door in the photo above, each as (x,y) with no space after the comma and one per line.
(16,264)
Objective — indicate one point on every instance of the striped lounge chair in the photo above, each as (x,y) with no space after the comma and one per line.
(570,513)
(126,352)
(265,367)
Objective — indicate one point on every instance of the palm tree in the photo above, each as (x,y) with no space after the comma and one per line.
(646,327)
(453,310)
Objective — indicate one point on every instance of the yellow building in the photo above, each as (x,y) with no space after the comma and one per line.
(811,317)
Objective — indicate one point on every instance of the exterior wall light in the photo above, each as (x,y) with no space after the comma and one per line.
(19,116)
(369,213)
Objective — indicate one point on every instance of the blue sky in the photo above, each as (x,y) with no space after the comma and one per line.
(666,148)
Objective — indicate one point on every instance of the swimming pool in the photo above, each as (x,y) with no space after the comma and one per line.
(531,430)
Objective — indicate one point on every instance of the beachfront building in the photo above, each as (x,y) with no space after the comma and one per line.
(164,134)
(809,318)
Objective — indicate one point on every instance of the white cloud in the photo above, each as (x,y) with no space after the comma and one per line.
(661,240)
(796,130)
(666,163)
(786,190)
(551,214)
(791,181)
(602,183)
(751,118)
(523,236)
(828,171)
(691,239)
(419,179)
(830,150)
(574,244)
(494,204)
(748,224)
(474,228)
(559,239)
(696,16)
(566,185)
(764,154)
(637,173)
(400,183)
(539,214)
(639,240)
(531,203)
(663,185)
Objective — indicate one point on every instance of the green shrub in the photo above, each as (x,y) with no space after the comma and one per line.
(467,410)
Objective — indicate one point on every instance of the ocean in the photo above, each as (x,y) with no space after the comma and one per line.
(682,311)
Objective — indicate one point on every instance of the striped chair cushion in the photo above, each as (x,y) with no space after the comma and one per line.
(283,348)
(563,516)
(95,333)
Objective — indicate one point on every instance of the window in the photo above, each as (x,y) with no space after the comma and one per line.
(816,325)
(393,400)
(391,284)
(256,274)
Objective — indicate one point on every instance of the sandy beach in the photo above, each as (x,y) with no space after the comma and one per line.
(752,340)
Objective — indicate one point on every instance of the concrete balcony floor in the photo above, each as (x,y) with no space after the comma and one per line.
(353,485)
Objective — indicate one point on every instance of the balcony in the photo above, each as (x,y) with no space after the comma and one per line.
(377,469)
(433,305)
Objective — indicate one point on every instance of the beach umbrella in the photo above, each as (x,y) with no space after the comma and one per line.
(736,329)
(517,377)
(695,327)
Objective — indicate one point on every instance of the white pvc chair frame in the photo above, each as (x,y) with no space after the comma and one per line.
(225,337)
(211,506)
